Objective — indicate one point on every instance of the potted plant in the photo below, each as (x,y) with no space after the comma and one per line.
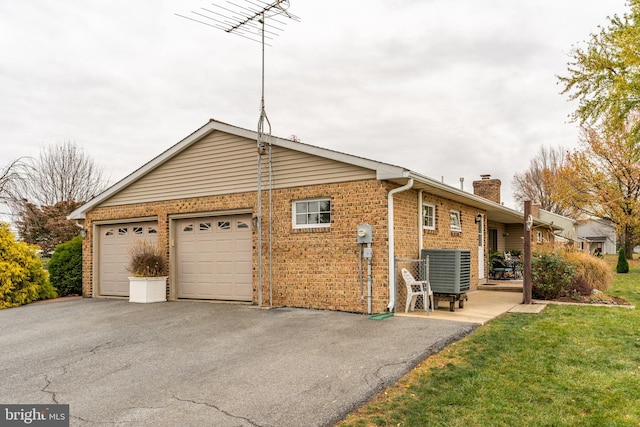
(149,273)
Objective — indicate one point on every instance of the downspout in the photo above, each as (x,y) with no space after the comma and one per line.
(392,282)
(420,223)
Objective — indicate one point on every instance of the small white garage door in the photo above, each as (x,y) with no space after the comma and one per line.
(213,258)
(115,241)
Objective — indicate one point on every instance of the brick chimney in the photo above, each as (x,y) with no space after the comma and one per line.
(487,188)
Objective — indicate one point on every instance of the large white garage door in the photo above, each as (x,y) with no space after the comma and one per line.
(114,241)
(214,258)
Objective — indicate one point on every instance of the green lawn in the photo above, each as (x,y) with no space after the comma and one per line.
(568,365)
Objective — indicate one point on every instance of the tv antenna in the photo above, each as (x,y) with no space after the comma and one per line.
(249,20)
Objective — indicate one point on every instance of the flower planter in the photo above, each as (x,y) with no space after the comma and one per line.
(147,289)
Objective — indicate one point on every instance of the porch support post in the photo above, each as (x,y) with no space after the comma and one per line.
(528,222)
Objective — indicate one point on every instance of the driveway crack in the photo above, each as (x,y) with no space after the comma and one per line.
(65,370)
(217,409)
(52,393)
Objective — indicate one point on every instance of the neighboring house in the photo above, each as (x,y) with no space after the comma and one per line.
(198,202)
(563,228)
(597,235)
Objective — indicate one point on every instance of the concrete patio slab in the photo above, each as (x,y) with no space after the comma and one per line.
(528,308)
(482,307)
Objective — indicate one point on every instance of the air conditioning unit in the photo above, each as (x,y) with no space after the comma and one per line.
(449,270)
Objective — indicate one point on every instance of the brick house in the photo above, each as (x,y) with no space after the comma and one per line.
(198,202)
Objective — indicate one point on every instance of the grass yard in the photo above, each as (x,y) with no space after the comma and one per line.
(569,365)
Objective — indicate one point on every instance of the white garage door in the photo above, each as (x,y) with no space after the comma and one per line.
(115,241)
(214,258)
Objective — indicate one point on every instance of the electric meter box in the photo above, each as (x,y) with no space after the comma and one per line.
(363,233)
(367,253)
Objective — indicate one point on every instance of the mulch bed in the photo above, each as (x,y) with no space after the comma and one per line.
(593,299)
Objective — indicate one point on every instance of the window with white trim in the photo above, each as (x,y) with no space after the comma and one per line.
(311,213)
(428,216)
(539,238)
(455,224)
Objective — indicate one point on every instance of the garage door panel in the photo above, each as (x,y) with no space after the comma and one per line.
(214,258)
(114,241)
(190,269)
(225,269)
(243,268)
(224,244)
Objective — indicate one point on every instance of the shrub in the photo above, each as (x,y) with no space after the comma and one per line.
(623,264)
(146,260)
(550,275)
(65,267)
(592,270)
(23,278)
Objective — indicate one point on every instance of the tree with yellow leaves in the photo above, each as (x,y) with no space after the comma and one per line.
(602,177)
(23,278)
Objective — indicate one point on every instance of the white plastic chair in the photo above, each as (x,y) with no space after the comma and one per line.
(416,288)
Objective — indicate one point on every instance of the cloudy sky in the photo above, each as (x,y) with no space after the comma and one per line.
(447,88)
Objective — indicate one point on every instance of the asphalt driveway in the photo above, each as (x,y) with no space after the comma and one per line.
(196,364)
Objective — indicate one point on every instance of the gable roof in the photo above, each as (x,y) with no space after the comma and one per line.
(383,171)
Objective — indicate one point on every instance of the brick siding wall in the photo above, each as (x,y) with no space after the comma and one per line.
(443,238)
(314,268)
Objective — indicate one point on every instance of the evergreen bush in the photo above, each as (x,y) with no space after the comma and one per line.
(23,278)
(623,264)
(65,267)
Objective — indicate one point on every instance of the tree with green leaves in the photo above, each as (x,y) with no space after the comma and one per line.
(602,177)
(604,75)
(65,267)
(623,265)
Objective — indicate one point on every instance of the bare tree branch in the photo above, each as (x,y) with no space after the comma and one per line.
(537,183)
(62,172)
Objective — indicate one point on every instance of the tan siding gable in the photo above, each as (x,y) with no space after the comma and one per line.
(293,169)
(222,163)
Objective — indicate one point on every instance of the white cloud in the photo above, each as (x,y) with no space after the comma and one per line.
(448,88)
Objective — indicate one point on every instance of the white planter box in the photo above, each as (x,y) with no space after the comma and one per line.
(147,289)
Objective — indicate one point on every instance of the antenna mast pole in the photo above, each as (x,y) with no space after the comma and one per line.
(243,21)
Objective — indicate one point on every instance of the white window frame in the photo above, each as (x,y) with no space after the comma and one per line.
(433,216)
(294,213)
(455,221)
(539,237)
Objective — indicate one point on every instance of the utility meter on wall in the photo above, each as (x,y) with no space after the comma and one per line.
(363,233)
